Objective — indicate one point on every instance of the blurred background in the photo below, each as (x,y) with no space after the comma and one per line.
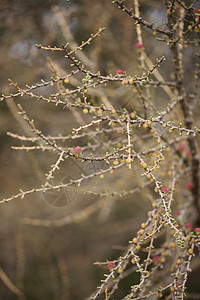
(55,260)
